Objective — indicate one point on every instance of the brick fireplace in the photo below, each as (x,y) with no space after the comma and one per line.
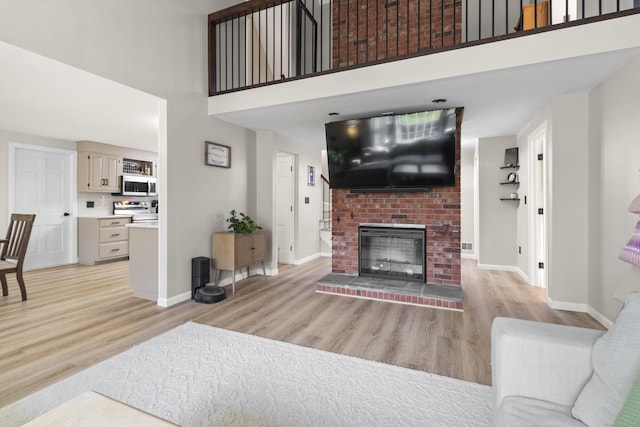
(437,209)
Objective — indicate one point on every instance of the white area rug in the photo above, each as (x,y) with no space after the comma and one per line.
(197,375)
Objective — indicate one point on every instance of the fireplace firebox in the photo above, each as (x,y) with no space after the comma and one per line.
(392,252)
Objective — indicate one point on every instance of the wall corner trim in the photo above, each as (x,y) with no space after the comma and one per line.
(306,259)
(498,267)
(581,308)
(168,302)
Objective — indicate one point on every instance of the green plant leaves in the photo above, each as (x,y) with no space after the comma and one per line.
(242,225)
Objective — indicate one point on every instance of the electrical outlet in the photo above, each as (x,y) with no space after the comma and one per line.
(90,204)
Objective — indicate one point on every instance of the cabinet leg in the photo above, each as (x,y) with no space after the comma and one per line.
(233,282)
(264,273)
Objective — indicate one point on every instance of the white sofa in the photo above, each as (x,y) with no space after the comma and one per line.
(553,375)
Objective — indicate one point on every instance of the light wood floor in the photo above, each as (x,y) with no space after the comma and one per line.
(77,316)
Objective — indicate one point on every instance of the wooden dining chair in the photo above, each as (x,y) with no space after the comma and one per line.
(14,249)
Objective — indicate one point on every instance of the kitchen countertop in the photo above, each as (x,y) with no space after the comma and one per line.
(146,224)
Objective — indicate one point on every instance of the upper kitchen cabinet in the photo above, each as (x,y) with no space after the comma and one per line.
(101,166)
(98,172)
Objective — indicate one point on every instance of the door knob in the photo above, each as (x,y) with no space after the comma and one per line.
(67,214)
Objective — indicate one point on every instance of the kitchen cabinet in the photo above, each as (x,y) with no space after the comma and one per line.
(99,172)
(103,239)
(231,251)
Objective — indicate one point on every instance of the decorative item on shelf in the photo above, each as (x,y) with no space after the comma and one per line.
(217,155)
(242,225)
(514,195)
(511,158)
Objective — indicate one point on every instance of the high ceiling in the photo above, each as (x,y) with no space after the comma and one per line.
(496,103)
(43,97)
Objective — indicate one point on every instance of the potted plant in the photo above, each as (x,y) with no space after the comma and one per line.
(243,224)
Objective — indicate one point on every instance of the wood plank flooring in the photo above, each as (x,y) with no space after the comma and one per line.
(77,316)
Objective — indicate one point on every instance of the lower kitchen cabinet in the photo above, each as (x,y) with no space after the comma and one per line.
(103,239)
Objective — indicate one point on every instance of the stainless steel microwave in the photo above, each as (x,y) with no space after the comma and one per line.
(138,186)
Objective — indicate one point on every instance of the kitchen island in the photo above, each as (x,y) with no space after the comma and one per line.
(143,259)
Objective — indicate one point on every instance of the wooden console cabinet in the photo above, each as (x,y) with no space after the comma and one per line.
(231,251)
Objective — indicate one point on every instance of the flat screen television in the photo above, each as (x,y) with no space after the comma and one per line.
(400,152)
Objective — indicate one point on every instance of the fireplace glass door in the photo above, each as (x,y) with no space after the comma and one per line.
(394,253)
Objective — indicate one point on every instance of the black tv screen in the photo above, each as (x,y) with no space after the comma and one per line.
(401,152)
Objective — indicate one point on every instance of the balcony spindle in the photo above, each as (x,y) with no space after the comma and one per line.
(493,18)
(480,18)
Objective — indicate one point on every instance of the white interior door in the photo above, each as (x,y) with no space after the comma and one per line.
(285,207)
(538,233)
(43,184)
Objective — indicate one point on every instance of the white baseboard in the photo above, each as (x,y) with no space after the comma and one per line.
(306,259)
(240,275)
(168,302)
(468,256)
(580,308)
(498,267)
(600,317)
(511,268)
(523,276)
(569,306)
(326,254)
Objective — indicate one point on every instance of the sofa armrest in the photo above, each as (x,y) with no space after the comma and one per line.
(540,360)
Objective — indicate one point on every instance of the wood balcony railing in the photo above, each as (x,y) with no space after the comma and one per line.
(261,42)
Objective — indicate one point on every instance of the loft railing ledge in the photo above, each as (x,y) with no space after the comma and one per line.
(263,42)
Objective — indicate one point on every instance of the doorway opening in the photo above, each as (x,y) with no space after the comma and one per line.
(285,207)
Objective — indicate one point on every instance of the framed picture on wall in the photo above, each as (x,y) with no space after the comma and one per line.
(311,176)
(217,155)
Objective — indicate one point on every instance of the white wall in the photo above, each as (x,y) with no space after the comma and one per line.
(614,112)
(307,220)
(159,47)
(497,222)
(568,214)
(467,197)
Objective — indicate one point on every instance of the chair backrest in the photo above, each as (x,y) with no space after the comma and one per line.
(18,237)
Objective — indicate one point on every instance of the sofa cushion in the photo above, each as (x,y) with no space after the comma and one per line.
(524,411)
(616,364)
(630,413)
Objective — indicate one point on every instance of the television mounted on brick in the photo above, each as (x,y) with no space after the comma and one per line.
(389,153)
